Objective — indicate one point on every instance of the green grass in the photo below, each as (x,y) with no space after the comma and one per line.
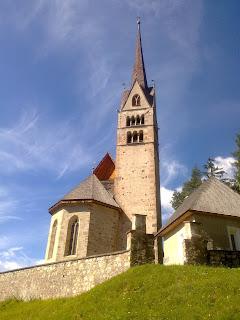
(146,292)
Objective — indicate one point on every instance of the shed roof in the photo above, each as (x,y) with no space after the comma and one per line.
(212,196)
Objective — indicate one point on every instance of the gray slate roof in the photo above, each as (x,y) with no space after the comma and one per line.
(212,196)
(91,189)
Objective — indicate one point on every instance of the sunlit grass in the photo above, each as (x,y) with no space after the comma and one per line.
(146,292)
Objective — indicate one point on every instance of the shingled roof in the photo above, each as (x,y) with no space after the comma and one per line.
(213,196)
(139,73)
(89,189)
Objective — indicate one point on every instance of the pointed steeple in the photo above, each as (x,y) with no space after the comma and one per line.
(139,73)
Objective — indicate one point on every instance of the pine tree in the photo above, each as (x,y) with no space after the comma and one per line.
(188,187)
(212,170)
(236,155)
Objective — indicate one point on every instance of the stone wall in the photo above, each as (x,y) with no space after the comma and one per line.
(225,258)
(142,248)
(103,230)
(63,216)
(62,279)
(195,250)
(136,185)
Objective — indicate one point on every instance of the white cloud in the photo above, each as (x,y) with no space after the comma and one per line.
(227,165)
(14,258)
(31,144)
(171,170)
(166,197)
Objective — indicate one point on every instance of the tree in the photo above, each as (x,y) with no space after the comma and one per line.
(236,155)
(212,170)
(188,187)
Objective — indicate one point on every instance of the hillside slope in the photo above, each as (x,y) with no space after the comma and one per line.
(146,292)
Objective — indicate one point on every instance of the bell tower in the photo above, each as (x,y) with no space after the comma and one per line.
(137,186)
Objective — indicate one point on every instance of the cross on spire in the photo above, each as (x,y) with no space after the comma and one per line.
(139,73)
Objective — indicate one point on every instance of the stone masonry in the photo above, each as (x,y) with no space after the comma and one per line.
(62,279)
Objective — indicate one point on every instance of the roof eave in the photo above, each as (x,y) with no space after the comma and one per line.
(60,203)
(169,227)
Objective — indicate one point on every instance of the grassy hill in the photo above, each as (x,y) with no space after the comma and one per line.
(146,292)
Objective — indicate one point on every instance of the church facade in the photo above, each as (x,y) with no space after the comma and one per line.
(120,195)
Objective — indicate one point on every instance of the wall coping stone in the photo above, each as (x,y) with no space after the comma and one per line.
(66,261)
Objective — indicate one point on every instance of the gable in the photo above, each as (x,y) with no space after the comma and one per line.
(136,89)
(105,169)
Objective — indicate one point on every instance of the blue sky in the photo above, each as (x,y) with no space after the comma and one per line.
(62,66)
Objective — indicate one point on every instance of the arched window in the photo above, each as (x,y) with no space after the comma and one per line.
(136,101)
(142,119)
(133,121)
(128,122)
(141,136)
(72,236)
(129,137)
(135,137)
(138,121)
(52,240)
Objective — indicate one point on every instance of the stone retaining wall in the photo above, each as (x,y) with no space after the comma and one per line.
(225,258)
(62,279)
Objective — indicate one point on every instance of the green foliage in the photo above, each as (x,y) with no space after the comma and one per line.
(212,170)
(149,292)
(188,187)
(236,155)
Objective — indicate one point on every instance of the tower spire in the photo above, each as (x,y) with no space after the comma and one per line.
(139,73)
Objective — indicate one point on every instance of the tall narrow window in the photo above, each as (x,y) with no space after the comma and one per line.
(129,137)
(138,121)
(72,236)
(133,121)
(136,100)
(141,136)
(128,122)
(142,119)
(135,137)
(52,240)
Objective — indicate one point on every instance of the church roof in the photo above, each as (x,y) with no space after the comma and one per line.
(139,73)
(212,196)
(105,168)
(89,189)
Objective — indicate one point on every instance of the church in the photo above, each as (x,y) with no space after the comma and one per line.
(112,220)
(122,193)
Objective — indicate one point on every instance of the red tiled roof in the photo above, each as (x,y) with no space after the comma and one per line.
(105,168)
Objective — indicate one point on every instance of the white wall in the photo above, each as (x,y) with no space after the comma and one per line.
(173,244)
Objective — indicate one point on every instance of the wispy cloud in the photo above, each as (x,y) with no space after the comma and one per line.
(31,144)
(227,164)
(166,197)
(14,258)
(172,170)
(7,205)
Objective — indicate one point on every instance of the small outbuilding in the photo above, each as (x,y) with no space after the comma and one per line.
(205,226)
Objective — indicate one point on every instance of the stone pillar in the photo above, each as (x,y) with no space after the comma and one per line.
(139,243)
(158,250)
(195,244)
